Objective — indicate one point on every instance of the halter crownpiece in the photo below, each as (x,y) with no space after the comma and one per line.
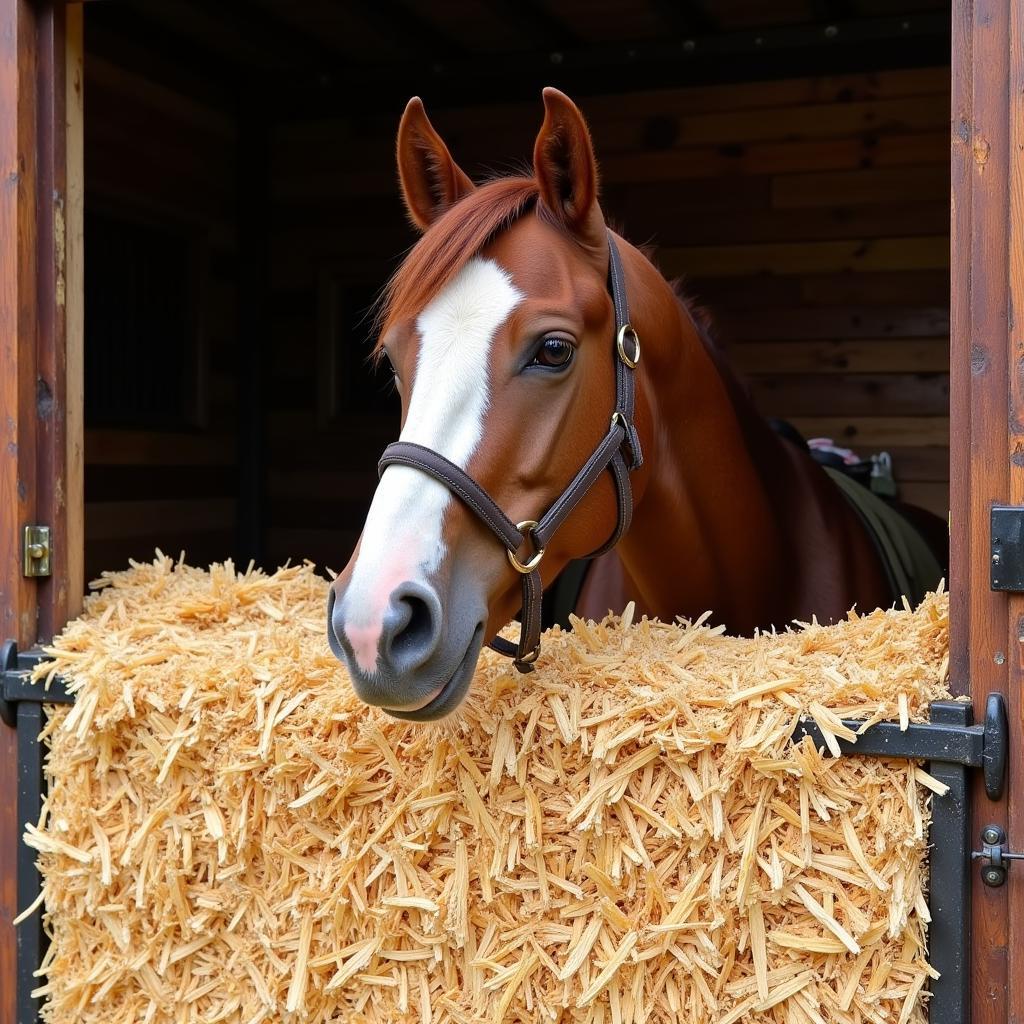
(609,454)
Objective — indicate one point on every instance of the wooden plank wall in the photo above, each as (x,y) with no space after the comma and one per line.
(154,153)
(810,215)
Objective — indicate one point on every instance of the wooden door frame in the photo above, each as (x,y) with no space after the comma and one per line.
(987,440)
(41,369)
(41,433)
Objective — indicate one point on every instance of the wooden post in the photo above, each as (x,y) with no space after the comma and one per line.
(1014,457)
(987,440)
(40,358)
(74,312)
(17,435)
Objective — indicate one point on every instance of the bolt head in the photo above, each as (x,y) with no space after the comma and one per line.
(992,876)
(992,835)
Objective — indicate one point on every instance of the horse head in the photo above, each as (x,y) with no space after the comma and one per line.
(500,329)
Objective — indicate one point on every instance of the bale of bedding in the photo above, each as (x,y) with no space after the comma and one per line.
(625,835)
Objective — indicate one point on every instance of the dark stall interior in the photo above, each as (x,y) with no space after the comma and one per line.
(789,158)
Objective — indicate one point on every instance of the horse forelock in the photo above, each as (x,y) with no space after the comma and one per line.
(450,243)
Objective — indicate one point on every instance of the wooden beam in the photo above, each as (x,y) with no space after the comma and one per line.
(848,394)
(980,649)
(684,17)
(33,440)
(167,448)
(18,312)
(17,454)
(853,255)
(878,356)
(1014,456)
(833,10)
(870,433)
(412,30)
(249,35)
(74,311)
(127,520)
(535,20)
(867,44)
(51,296)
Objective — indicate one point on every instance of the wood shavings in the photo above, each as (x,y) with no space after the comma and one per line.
(625,835)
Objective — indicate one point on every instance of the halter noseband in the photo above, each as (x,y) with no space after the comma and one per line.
(608,455)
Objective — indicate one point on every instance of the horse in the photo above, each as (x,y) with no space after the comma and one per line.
(514,329)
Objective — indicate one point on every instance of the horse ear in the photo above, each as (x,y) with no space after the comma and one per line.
(431,180)
(565,168)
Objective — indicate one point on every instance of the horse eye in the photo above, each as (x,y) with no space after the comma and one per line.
(390,365)
(554,353)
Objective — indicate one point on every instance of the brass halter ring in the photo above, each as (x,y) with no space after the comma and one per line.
(525,567)
(620,344)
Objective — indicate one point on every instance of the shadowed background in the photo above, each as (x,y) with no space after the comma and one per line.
(790,158)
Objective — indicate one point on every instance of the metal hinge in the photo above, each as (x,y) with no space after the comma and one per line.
(945,738)
(994,852)
(16,684)
(36,551)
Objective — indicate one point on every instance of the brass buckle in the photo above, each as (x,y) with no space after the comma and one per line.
(628,431)
(620,340)
(525,527)
(529,659)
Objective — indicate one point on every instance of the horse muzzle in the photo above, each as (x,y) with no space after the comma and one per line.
(416,660)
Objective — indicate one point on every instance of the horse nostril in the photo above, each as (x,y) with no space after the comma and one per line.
(419,629)
(413,631)
(335,624)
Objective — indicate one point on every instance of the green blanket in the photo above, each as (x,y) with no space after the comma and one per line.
(910,566)
(909,563)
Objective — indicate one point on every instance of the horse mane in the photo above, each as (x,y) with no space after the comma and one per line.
(451,242)
(459,235)
(702,317)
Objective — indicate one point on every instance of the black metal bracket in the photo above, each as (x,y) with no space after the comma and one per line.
(945,738)
(21,706)
(1006,557)
(951,744)
(16,682)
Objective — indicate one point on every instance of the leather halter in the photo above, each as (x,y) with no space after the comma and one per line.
(621,437)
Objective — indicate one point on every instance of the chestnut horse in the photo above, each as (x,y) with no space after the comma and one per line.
(500,329)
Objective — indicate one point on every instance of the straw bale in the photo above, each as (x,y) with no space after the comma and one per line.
(625,835)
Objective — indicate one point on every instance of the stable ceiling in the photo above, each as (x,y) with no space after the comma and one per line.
(302,56)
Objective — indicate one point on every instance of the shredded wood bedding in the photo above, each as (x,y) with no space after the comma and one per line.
(625,835)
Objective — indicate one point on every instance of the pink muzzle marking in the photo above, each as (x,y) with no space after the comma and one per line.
(365,636)
(365,641)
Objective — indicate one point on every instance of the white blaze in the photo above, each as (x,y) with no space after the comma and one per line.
(402,536)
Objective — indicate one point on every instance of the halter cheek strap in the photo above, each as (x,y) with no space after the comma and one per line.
(619,452)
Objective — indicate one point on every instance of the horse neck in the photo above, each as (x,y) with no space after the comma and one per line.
(733,517)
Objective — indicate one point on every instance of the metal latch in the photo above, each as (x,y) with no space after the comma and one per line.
(1006,554)
(36,551)
(994,851)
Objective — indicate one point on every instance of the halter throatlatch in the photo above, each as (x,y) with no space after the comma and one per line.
(619,452)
